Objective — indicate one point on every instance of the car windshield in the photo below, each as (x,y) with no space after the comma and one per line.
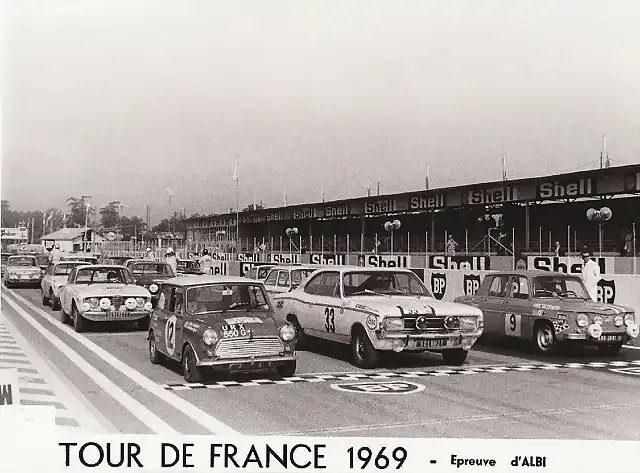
(103,274)
(559,286)
(154,269)
(299,275)
(383,282)
(22,261)
(63,269)
(263,271)
(226,297)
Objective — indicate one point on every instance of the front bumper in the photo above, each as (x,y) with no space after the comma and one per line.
(387,341)
(115,316)
(246,364)
(607,336)
(23,280)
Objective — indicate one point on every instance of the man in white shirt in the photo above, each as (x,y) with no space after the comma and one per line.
(206,262)
(590,275)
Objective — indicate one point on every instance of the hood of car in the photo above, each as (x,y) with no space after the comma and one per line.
(391,305)
(103,289)
(259,324)
(577,306)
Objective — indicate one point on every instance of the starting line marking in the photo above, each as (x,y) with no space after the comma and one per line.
(621,367)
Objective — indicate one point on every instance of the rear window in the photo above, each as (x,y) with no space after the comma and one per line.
(64,269)
(143,269)
(22,261)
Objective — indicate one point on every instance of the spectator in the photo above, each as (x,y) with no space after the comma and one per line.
(451,245)
(55,255)
(559,251)
(628,244)
(590,275)
(149,254)
(206,261)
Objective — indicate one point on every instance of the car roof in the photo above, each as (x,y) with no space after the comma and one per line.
(92,266)
(349,268)
(140,260)
(186,281)
(530,273)
(295,266)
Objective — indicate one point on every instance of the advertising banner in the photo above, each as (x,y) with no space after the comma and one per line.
(571,264)
(285,258)
(328,259)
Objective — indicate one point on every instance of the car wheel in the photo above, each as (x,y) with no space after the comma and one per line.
(192,374)
(287,369)
(79,322)
(143,324)
(545,338)
(55,302)
(64,317)
(455,357)
(154,355)
(362,351)
(45,299)
(301,338)
(610,350)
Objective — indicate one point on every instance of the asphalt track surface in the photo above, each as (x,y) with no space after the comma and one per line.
(102,381)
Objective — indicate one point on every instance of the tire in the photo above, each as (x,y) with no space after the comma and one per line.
(610,350)
(143,324)
(155,357)
(64,317)
(55,302)
(79,322)
(287,369)
(192,374)
(301,338)
(455,357)
(363,354)
(544,338)
(45,299)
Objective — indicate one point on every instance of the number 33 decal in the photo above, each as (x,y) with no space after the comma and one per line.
(512,325)
(329,320)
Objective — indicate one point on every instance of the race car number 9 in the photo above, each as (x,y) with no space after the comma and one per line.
(512,326)
(170,335)
(232,331)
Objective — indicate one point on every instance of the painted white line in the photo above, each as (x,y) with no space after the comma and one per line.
(136,408)
(198,415)
(630,347)
(74,402)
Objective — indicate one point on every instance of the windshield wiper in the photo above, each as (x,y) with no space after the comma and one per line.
(367,291)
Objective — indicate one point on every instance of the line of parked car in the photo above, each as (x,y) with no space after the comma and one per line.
(258,321)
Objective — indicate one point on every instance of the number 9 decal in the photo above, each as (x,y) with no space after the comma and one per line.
(170,335)
(512,326)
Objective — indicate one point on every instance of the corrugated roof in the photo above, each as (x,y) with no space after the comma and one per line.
(65,234)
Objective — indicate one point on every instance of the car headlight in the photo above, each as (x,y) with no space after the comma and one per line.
(148,306)
(287,333)
(140,301)
(85,306)
(582,320)
(130,303)
(598,320)
(629,318)
(618,320)
(393,323)
(595,330)
(209,337)
(105,303)
(94,302)
(452,323)
(153,288)
(468,323)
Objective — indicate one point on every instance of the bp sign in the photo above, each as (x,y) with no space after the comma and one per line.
(380,387)
(111,236)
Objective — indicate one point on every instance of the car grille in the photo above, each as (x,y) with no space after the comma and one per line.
(244,347)
(117,301)
(434,324)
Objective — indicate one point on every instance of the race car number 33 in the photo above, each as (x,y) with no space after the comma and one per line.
(233,330)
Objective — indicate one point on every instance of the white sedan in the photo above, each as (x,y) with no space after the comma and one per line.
(379,309)
(53,281)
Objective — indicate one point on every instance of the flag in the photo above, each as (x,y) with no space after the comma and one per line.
(235,172)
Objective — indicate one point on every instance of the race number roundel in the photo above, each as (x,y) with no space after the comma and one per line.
(512,326)
(170,335)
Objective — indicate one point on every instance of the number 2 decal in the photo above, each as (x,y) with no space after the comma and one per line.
(330,322)
(170,335)
(512,325)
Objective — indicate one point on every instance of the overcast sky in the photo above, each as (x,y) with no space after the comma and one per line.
(120,99)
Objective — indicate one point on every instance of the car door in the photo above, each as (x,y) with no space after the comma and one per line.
(327,305)
(175,322)
(307,311)
(160,317)
(494,305)
(45,284)
(517,316)
(271,281)
(283,281)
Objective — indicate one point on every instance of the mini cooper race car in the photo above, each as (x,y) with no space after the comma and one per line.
(22,270)
(550,309)
(379,309)
(54,279)
(103,293)
(219,323)
(150,274)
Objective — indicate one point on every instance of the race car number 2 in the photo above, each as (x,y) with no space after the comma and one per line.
(512,326)
(233,330)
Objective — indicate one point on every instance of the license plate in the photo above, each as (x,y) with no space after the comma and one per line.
(118,315)
(233,330)
(610,338)
(431,343)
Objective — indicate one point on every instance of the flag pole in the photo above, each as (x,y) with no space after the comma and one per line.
(237,207)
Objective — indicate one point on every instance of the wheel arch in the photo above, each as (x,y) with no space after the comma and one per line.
(185,344)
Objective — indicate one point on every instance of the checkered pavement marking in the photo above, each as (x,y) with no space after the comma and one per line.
(34,389)
(386,375)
